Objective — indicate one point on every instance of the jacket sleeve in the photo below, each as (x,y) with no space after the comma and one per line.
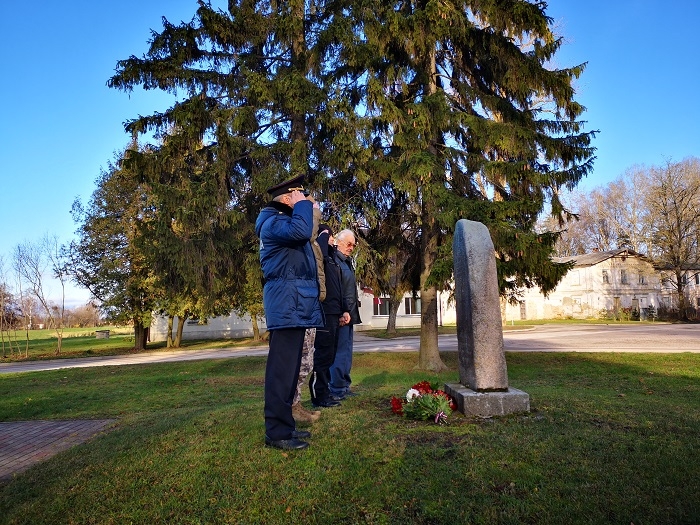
(296,231)
(349,286)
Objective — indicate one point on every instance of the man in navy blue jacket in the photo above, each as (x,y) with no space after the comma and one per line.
(342,364)
(336,315)
(291,302)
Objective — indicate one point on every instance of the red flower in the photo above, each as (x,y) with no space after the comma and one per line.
(397,405)
(424,400)
(447,396)
(423,387)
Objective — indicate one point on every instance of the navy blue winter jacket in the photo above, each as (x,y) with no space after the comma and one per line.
(290,293)
(334,303)
(349,285)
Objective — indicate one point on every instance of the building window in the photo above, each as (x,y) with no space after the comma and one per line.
(642,279)
(623,277)
(697,278)
(412,305)
(575,278)
(697,302)
(606,277)
(381,306)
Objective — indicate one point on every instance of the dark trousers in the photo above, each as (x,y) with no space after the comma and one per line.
(326,345)
(281,375)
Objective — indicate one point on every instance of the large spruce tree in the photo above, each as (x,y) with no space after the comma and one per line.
(471,121)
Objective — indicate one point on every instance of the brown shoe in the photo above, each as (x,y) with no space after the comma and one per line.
(302,415)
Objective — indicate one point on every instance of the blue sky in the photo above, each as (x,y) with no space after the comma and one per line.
(61,124)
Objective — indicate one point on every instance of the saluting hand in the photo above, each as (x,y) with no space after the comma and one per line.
(296,196)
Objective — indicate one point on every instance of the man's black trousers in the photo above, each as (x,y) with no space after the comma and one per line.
(281,376)
(325,347)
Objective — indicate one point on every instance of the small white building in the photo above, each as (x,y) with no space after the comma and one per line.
(374,311)
(222,327)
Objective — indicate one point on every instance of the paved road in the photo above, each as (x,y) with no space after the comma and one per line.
(544,338)
(572,338)
(606,338)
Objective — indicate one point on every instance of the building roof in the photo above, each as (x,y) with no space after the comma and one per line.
(591,259)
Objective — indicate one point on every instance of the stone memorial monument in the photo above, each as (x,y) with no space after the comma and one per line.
(483,389)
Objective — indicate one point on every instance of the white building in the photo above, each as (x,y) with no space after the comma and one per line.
(613,281)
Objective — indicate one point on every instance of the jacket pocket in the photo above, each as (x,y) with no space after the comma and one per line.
(307,298)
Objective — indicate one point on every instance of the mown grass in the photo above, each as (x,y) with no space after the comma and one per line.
(611,438)
(82,342)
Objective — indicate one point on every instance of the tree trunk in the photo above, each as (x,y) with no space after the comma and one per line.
(256,328)
(180,327)
(140,335)
(298,134)
(394,303)
(682,313)
(429,354)
(169,338)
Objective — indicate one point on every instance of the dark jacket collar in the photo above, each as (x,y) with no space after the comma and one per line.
(281,207)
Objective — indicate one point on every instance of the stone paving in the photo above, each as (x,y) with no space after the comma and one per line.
(25,443)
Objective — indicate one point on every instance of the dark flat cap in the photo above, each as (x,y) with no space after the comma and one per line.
(297,183)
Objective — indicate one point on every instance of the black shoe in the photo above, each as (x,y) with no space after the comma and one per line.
(286,444)
(337,398)
(350,393)
(328,403)
(301,434)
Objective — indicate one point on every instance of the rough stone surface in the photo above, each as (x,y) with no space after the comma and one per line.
(482,363)
(488,404)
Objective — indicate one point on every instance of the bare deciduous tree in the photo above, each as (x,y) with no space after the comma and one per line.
(83,316)
(35,263)
(10,315)
(610,217)
(673,202)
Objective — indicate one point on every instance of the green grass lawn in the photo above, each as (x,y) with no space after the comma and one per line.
(611,438)
(82,342)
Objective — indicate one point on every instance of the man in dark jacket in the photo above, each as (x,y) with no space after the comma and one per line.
(291,302)
(340,371)
(334,311)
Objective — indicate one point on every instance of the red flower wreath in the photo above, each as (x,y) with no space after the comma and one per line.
(424,402)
